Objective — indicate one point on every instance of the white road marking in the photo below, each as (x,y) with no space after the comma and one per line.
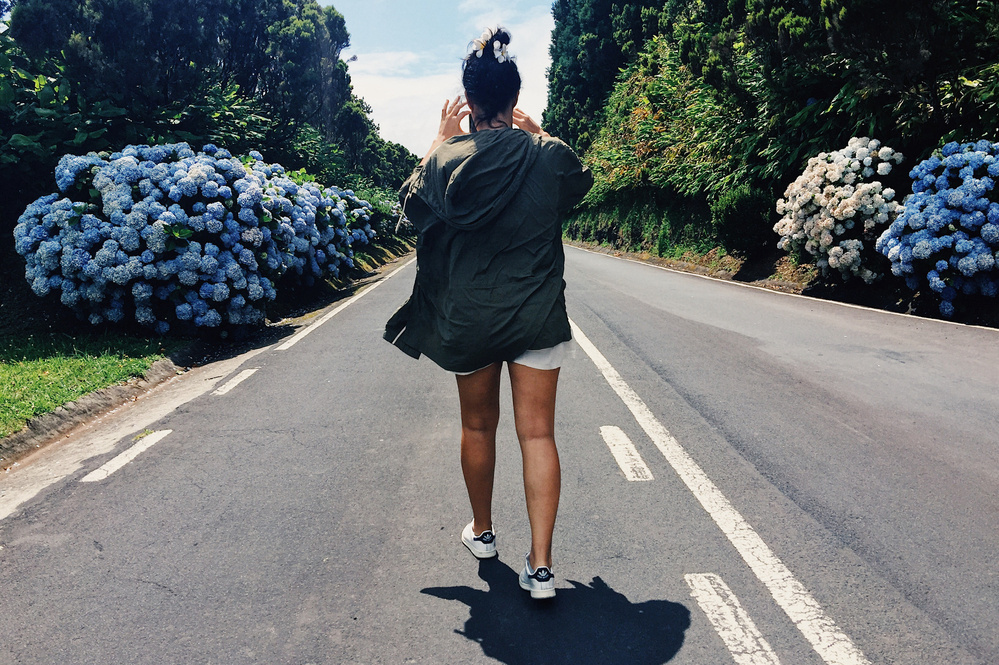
(297,337)
(235,381)
(731,621)
(832,644)
(744,285)
(144,444)
(66,456)
(625,454)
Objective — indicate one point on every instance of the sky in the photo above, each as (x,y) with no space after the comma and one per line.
(409,57)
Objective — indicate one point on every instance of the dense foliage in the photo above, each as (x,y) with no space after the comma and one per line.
(90,75)
(592,41)
(162,235)
(947,236)
(725,101)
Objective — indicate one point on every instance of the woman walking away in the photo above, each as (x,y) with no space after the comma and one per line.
(487,207)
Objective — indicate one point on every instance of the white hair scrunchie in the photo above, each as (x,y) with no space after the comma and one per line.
(499,49)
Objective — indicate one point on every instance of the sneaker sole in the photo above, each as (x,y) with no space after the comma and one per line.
(479,555)
(538,594)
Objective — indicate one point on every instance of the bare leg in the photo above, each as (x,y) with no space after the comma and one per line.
(534,416)
(478,395)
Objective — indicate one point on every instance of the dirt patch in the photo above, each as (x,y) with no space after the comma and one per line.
(786,270)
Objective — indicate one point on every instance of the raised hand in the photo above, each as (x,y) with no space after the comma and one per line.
(451,116)
(527,123)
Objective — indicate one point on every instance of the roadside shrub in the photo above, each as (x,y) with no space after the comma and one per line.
(387,218)
(739,218)
(165,236)
(948,233)
(655,221)
(833,210)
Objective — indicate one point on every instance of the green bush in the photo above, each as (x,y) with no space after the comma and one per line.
(741,219)
(644,220)
(721,102)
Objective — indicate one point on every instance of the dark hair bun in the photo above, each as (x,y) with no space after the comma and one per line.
(489,74)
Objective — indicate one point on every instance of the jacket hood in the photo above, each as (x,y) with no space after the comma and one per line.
(470,179)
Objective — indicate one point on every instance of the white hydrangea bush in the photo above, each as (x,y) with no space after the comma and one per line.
(835,209)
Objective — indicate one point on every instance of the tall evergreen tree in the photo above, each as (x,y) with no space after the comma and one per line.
(591,43)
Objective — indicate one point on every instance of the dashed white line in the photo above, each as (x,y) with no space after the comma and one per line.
(144,444)
(732,623)
(235,381)
(297,337)
(832,644)
(625,454)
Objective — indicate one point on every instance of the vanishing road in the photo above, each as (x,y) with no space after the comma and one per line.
(748,478)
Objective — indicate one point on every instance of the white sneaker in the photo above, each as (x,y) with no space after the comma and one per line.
(482,546)
(540,582)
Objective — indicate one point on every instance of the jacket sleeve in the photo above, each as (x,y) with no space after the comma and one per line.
(415,208)
(574,179)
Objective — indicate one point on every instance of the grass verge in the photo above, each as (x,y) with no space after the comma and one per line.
(49,358)
(40,372)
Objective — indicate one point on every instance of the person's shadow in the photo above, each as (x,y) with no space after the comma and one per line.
(585,624)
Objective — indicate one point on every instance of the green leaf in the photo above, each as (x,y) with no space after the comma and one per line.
(46,94)
(112,112)
(64,90)
(178,232)
(7,93)
(24,142)
(81,137)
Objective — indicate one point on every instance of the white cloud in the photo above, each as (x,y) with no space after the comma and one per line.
(407,109)
(398,63)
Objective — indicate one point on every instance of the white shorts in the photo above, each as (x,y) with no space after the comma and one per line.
(550,358)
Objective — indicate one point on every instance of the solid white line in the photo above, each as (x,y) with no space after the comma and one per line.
(834,646)
(744,285)
(297,337)
(235,381)
(625,454)
(144,444)
(732,623)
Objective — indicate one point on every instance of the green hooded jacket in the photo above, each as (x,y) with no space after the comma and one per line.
(487,209)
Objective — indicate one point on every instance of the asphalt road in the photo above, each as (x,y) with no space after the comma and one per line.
(809,483)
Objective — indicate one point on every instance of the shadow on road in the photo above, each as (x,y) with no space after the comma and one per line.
(585,624)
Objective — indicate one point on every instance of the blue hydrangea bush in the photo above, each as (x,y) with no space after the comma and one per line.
(947,236)
(169,237)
